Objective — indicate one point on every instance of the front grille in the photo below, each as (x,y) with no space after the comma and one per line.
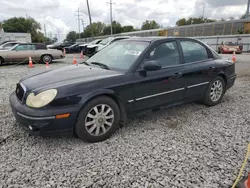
(20,92)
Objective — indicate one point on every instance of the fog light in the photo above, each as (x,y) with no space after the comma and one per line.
(30,127)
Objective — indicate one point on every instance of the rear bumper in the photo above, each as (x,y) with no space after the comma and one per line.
(44,122)
(230,81)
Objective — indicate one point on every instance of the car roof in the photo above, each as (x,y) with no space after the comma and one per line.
(158,38)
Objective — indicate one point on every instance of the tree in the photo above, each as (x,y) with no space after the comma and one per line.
(191,21)
(23,25)
(117,28)
(72,36)
(127,28)
(150,24)
(98,28)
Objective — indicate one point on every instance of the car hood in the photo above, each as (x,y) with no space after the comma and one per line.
(64,76)
(230,46)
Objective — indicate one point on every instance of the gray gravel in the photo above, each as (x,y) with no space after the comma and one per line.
(186,146)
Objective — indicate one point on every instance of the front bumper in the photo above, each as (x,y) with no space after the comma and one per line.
(43,121)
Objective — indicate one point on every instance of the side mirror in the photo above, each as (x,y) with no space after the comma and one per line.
(151,66)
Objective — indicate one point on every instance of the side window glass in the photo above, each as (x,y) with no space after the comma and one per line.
(32,47)
(22,48)
(193,51)
(167,54)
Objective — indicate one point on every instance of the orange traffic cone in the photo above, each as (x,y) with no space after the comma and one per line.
(31,63)
(247,182)
(82,56)
(74,61)
(47,65)
(234,58)
(64,51)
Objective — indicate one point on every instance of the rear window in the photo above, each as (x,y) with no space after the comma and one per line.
(41,47)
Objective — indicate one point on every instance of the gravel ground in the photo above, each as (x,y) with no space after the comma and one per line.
(186,146)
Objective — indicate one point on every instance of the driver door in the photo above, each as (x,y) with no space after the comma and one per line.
(162,87)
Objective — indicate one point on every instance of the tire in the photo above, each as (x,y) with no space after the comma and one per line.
(218,92)
(87,123)
(1,61)
(46,59)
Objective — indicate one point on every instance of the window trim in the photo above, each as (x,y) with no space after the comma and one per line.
(179,52)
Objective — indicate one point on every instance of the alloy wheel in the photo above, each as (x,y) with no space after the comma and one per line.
(99,119)
(216,91)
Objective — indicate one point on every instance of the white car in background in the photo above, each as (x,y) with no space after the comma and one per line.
(91,49)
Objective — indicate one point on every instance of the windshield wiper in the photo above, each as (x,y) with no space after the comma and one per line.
(85,63)
(101,65)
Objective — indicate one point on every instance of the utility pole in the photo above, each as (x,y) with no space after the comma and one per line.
(111,17)
(83,26)
(58,35)
(45,33)
(203,12)
(90,19)
(78,18)
(247,13)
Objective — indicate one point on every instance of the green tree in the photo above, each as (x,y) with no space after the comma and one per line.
(190,21)
(23,25)
(149,24)
(71,36)
(117,28)
(127,28)
(98,28)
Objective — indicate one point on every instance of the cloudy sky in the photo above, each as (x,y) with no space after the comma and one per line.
(59,15)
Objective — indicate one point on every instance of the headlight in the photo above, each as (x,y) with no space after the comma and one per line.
(41,99)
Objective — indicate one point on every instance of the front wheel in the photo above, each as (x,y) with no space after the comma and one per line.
(1,61)
(215,91)
(98,120)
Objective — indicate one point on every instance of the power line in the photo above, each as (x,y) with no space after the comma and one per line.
(111,16)
(83,26)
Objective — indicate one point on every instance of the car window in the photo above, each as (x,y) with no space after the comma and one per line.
(167,54)
(193,51)
(32,47)
(9,45)
(22,47)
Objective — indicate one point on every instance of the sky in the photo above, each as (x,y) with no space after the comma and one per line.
(59,16)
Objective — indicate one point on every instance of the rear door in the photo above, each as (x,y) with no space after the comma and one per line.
(199,67)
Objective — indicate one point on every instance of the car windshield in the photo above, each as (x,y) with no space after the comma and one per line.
(94,41)
(120,55)
(106,41)
(73,45)
(230,44)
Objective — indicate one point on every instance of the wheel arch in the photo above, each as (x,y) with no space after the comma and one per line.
(2,59)
(223,75)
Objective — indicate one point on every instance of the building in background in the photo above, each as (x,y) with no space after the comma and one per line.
(23,37)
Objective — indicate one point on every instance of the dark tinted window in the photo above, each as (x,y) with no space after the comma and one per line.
(167,54)
(193,51)
(41,47)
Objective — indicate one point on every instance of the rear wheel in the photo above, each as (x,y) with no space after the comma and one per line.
(98,120)
(46,58)
(1,61)
(215,91)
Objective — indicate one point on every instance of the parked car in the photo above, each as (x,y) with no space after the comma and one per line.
(229,47)
(60,46)
(84,46)
(128,77)
(75,48)
(9,45)
(37,52)
(92,49)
